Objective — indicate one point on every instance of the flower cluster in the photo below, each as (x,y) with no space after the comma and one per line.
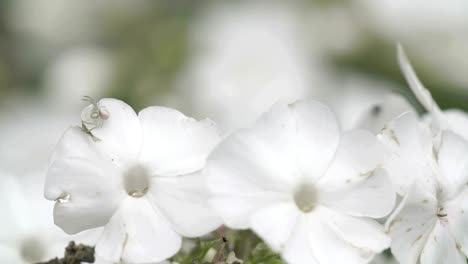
(314,192)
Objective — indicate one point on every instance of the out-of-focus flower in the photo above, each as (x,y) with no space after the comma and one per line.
(139,176)
(30,133)
(364,103)
(248,56)
(309,191)
(27,233)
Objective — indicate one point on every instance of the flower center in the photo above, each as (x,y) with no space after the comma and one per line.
(305,197)
(32,250)
(136,181)
(441,213)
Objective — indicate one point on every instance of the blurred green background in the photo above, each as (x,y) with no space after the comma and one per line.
(148,43)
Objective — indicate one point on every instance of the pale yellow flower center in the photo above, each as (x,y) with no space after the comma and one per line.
(306,197)
(137,181)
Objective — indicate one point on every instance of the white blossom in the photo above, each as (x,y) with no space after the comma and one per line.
(136,175)
(429,167)
(428,225)
(304,187)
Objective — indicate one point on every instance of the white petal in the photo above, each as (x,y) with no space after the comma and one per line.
(243,175)
(353,178)
(120,134)
(245,162)
(360,151)
(368,195)
(305,132)
(87,185)
(441,248)
(184,202)
(137,234)
(318,136)
(376,116)
(410,141)
(453,163)
(237,210)
(351,228)
(457,217)
(275,224)
(422,94)
(298,249)
(411,223)
(173,143)
(329,247)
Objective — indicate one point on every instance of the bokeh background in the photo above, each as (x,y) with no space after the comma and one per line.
(227,61)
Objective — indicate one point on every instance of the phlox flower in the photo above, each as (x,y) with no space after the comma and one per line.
(136,175)
(307,189)
(429,167)
(27,233)
(428,225)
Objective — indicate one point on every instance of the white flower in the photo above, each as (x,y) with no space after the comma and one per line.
(429,224)
(27,234)
(430,169)
(139,176)
(248,57)
(306,189)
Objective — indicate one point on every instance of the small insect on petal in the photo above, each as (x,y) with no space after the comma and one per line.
(103,113)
